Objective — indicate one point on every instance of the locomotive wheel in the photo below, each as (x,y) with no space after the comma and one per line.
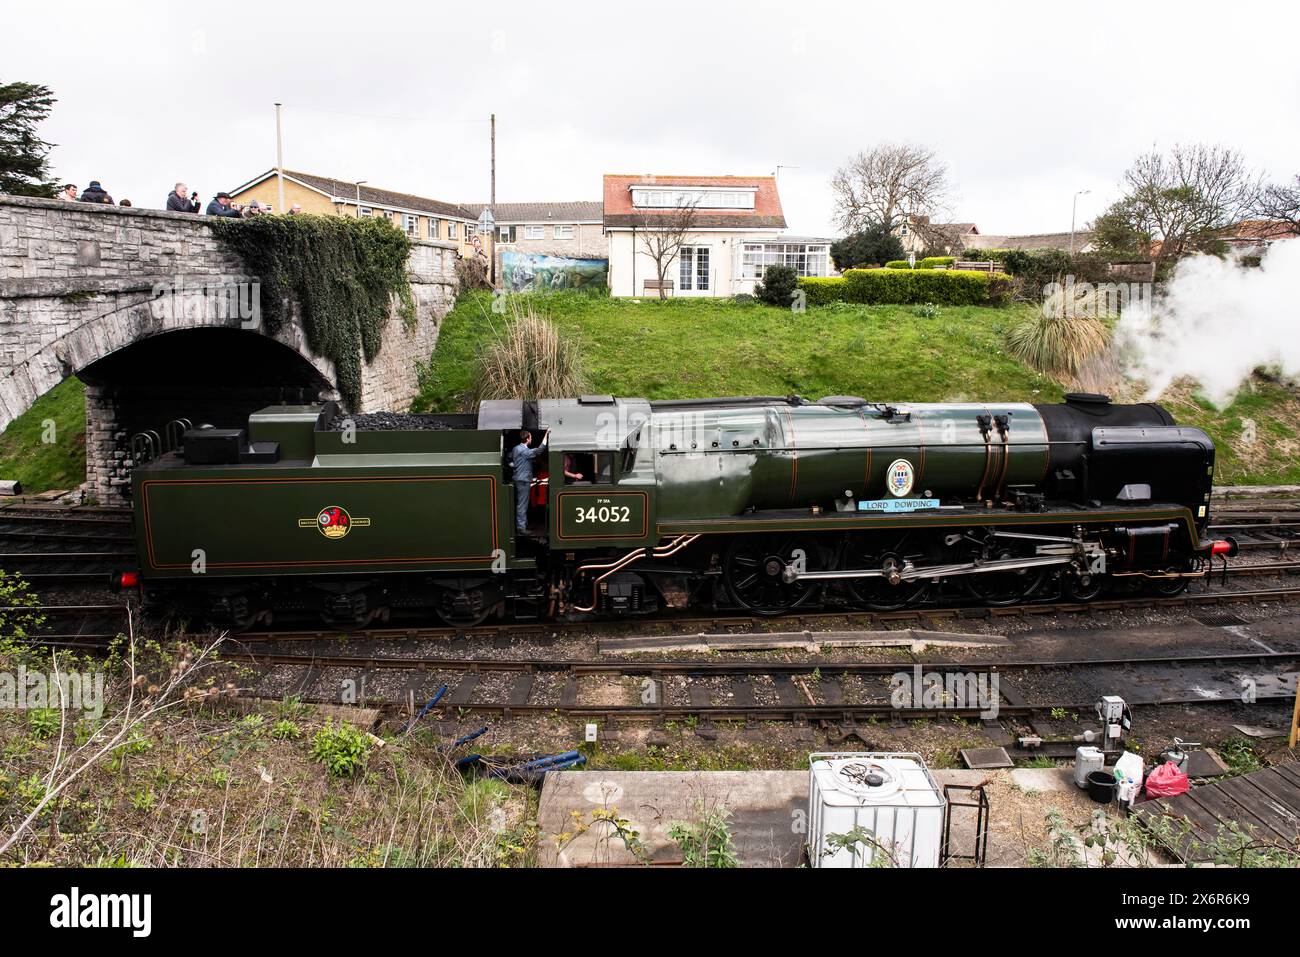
(755,568)
(878,594)
(1169,587)
(1076,589)
(1005,588)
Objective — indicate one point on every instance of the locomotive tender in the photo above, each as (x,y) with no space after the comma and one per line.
(760,503)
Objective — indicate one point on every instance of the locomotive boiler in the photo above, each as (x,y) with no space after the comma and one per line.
(759,503)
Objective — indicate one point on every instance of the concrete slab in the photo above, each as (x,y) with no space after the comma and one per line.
(913,639)
(1043,779)
(767,808)
(768,813)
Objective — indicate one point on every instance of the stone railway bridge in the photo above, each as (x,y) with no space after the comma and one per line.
(143,307)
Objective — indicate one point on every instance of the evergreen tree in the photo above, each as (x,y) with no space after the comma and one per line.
(24,162)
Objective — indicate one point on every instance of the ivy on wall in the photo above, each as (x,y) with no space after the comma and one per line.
(342,272)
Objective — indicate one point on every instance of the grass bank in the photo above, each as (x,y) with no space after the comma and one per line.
(704,347)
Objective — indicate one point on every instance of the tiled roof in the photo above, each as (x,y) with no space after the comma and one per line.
(579,211)
(374,196)
(1259,229)
(1033,241)
(766,214)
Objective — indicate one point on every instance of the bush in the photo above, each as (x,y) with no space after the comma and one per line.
(341,747)
(778,286)
(1056,343)
(953,287)
(867,247)
(527,360)
(898,264)
(985,255)
(934,262)
(471,273)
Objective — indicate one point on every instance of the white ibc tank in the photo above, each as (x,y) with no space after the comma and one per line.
(891,796)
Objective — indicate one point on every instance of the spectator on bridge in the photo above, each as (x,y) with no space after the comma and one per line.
(181,200)
(68,191)
(220,206)
(125,202)
(94,193)
(295,209)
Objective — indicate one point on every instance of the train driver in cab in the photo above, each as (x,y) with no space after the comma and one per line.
(521,465)
(571,466)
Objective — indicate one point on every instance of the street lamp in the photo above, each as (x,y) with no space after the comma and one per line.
(1074,207)
(359,182)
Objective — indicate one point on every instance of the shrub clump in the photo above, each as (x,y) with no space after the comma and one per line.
(344,273)
(778,286)
(950,287)
(528,359)
(1056,342)
(341,747)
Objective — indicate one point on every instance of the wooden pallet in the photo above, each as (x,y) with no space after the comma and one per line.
(1266,804)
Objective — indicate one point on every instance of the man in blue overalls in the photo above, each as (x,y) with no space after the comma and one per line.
(521,464)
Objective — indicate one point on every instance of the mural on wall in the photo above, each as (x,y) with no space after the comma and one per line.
(530,272)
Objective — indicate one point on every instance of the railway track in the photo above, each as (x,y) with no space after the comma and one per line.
(814,690)
(90,623)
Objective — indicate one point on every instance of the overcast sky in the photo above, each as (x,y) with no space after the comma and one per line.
(1026,103)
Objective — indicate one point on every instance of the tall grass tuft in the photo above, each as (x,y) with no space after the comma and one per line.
(1058,343)
(528,359)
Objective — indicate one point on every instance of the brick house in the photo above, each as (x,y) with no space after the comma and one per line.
(735,233)
(572,230)
(419,216)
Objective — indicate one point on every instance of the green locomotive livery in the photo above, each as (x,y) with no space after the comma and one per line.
(761,503)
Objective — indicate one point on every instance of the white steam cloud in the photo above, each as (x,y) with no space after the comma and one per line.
(1217,322)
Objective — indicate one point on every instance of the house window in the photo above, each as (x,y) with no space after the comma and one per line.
(433,228)
(366,211)
(412,224)
(505,234)
(534,232)
(464,231)
(807,259)
(451,230)
(693,268)
(563,232)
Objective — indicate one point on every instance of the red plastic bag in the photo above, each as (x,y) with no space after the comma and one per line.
(1166,781)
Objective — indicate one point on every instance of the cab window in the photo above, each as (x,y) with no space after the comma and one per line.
(588,468)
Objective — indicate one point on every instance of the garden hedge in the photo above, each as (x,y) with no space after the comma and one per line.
(929,262)
(947,287)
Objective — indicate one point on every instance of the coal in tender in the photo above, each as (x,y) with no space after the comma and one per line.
(393,422)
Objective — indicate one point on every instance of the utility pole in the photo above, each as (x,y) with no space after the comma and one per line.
(492,206)
(279,159)
(494,162)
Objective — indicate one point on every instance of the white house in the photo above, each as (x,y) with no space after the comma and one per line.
(735,232)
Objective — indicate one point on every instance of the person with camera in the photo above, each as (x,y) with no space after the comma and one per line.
(181,200)
(221,206)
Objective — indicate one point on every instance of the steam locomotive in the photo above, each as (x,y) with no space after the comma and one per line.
(765,504)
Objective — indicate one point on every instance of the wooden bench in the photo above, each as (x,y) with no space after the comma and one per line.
(654,285)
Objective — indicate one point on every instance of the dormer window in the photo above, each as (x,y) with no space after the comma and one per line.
(651,197)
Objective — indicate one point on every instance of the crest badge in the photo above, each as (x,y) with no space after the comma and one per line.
(899,477)
(333,521)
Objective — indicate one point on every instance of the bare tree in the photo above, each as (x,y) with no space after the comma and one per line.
(662,236)
(1185,198)
(887,184)
(1281,204)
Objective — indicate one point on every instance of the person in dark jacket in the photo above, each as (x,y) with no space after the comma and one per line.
(521,461)
(94,193)
(220,206)
(181,200)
